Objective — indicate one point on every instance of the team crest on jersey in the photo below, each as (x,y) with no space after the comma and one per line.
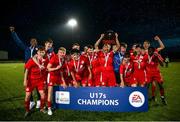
(129,70)
(81,66)
(27,89)
(82,62)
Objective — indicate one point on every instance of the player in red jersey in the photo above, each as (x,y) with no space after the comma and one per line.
(33,78)
(132,50)
(126,72)
(105,57)
(139,64)
(146,45)
(86,72)
(49,54)
(79,65)
(55,66)
(94,65)
(153,72)
(66,71)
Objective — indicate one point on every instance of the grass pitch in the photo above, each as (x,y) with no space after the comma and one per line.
(12,100)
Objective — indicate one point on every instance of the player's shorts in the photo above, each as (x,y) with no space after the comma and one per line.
(68,80)
(96,80)
(83,80)
(129,81)
(90,83)
(32,84)
(140,77)
(154,76)
(108,78)
(54,79)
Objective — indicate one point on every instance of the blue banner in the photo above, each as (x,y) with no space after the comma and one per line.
(101,98)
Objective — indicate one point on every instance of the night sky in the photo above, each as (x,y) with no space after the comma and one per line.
(134,20)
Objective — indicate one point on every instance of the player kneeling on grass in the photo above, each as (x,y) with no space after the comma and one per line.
(153,72)
(55,67)
(126,72)
(33,78)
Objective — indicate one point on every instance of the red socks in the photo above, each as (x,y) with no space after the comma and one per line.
(26,104)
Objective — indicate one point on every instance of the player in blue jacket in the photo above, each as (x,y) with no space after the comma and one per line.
(118,56)
(29,52)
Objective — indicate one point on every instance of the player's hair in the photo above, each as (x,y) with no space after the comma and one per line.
(49,40)
(33,38)
(62,49)
(123,45)
(73,51)
(127,55)
(138,46)
(75,44)
(90,46)
(41,48)
(147,41)
(134,44)
(106,44)
(143,48)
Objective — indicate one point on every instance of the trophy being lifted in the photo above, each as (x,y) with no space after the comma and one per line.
(109,37)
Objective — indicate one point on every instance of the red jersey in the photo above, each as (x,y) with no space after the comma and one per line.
(106,60)
(35,72)
(126,69)
(50,55)
(66,70)
(131,52)
(55,61)
(139,62)
(93,60)
(80,65)
(152,63)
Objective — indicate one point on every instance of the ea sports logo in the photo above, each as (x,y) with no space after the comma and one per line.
(136,99)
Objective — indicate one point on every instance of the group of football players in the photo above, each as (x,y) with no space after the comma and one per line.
(109,66)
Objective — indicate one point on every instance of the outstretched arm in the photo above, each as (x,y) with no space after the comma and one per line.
(161,47)
(117,43)
(16,38)
(98,42)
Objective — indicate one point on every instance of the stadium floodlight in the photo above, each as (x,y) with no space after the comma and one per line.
(72,23)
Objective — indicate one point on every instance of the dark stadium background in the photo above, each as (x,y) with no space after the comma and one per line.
(134,20)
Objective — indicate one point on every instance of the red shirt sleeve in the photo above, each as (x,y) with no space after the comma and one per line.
(132,57)
(29,64)
(52,60)
(121,69)
(145,58)
(71,66)
(87,61)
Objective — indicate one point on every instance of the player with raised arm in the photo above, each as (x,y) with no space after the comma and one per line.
(105,57)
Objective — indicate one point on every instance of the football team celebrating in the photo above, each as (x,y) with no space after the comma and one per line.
(106,64)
